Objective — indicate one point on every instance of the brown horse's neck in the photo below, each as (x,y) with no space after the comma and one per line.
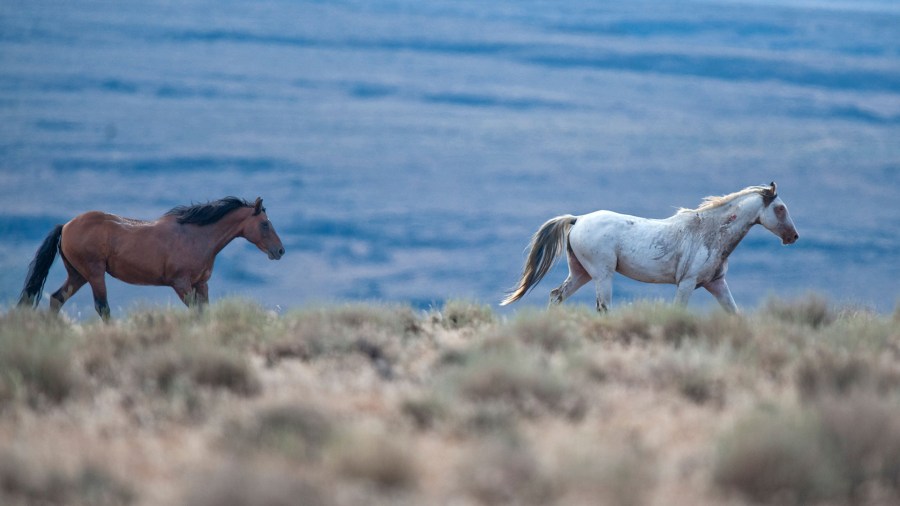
(215,236)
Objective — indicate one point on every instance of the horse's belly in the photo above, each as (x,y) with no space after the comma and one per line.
(646,254)
(135,274)
(137,263)
(645,271)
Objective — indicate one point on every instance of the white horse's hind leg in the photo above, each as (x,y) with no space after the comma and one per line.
(603,285)
(576,279)
(719,289)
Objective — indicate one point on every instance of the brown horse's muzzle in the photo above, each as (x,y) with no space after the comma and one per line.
(276,253)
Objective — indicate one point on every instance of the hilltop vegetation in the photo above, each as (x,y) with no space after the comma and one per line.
(796,403)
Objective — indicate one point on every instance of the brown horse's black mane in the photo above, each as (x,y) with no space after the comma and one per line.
(208,213)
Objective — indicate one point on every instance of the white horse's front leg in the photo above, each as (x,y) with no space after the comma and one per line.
(719,289)
(684,290)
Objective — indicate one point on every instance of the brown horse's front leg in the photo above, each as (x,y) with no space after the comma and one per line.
(201,291)
(185,292)
(193,295)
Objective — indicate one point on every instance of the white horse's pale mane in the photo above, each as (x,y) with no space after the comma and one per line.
(713,201)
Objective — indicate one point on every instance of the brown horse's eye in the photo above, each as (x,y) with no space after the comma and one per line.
(264,225)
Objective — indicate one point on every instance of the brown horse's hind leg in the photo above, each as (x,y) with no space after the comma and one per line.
(98,286)
(73,283)
(65,292)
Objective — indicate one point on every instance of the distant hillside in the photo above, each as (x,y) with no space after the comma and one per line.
(795,403)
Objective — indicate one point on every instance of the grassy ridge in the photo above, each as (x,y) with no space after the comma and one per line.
(798,402)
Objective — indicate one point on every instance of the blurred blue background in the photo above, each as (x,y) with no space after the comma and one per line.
(407,150)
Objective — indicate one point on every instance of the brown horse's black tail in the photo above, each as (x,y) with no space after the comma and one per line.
(39,268)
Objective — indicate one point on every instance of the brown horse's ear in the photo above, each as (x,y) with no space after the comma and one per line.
(257,207)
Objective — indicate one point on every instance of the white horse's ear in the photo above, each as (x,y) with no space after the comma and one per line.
(774,188)
(257,207)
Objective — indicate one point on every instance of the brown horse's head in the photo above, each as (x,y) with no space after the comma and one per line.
(259,230)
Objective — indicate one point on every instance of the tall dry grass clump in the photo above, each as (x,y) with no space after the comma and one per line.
(370,330)
(506,472)
(811,310)
(842,450)
(24,482)
(35,359)
(463,314)
(242,483)
(780,456)
(298,432)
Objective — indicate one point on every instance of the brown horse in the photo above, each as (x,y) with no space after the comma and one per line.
(176,250)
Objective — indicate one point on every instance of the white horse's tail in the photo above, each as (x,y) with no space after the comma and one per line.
(546,245)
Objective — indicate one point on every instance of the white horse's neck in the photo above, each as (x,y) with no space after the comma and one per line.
(723,227)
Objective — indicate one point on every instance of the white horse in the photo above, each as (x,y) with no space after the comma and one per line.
(689,249)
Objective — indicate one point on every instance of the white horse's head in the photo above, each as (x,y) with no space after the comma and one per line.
(775,217)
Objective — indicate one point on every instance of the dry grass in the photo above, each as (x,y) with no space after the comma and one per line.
(461,314)
(779,457)
(796,403)
(297,431)
(26,483)
(35,355)
(238,483)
